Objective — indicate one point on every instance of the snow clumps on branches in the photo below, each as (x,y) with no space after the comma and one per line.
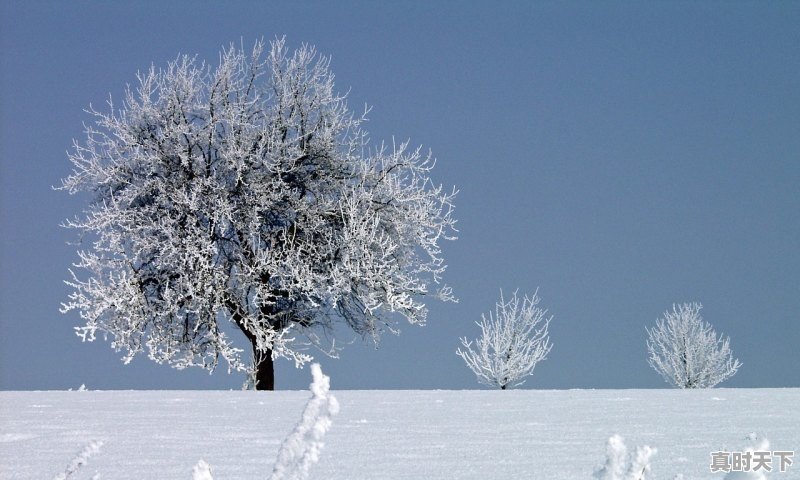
(621,465)
(302,447)
(81,459)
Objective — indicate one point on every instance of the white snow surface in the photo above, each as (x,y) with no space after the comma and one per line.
(517,434)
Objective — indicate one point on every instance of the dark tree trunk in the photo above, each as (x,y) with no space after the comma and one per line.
(265,371)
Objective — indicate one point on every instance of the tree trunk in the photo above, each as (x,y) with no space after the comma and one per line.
(262,361)
(265,370)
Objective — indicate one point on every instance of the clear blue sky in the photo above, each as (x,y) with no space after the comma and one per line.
(620,156)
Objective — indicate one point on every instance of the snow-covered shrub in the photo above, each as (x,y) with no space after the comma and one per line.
(81,459)
(621,465)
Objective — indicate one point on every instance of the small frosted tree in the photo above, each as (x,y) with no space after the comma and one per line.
(248,194)
(686,351)
(513,340)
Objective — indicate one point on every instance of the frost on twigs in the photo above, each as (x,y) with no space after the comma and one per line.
(248,193)
(621,465)
(686,351)
(302,447)
(81,459)
(513,340)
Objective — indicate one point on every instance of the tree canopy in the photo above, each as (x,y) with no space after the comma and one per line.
(249,193)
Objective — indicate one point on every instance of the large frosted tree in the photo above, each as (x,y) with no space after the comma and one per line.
(248,194)
(686,351)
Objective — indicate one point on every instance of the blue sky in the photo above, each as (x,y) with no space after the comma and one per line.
(620,156)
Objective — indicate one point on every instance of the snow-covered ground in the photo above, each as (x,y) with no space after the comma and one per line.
(519,434)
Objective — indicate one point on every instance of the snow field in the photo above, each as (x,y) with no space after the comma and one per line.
(517,434)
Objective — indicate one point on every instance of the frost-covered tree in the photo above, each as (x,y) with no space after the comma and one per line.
(248,194)
(513,340)
(686,351)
